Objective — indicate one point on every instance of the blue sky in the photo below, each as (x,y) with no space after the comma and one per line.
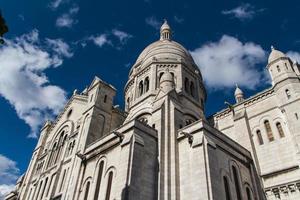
(56,46)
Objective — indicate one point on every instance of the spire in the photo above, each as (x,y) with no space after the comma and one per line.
(165,31)
(239,95)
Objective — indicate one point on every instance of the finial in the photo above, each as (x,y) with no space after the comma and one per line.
(236,85)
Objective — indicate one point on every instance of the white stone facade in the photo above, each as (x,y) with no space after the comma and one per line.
(162,147)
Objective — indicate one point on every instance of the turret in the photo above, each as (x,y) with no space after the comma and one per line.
(239,95)
(280,67)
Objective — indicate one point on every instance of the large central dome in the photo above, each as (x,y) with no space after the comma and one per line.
(164,49)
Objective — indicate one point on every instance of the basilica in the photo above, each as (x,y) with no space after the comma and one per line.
(163,147)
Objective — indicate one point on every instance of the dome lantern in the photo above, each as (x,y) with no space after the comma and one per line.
(165,31)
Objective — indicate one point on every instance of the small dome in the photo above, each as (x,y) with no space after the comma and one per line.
(165,26)
(167,76)
(275,54)
(238,91)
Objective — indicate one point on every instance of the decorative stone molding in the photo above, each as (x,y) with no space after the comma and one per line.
(283,190)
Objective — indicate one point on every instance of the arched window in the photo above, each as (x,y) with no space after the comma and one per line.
(105,98)
(226,188)
(52,154)
(248,193)
(280,130)
(288,93)
(87,189)
(146,84)
(192,89)
(278,68)
(99,178)
(259,137)
(236,182)
(109,183)
(269,131)
(186,85)
(141,86)
(61,145)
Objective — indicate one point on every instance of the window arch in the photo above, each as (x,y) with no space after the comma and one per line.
(192,89)
(259,137)
(236,183)
(288,93)
(226,188)
(141,88)
(280,129)
(269,131)
(87,189)
(146,84)
(186,85)
(99,178)
(109,184)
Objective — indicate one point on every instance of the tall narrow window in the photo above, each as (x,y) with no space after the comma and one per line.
(52,154)
(269,131)
(288,93)
(62,180)
(280,130)
(98,183)
(105,98)
(226,187)
(141,86)
(186,85)
(259,137)
(109,183)
(44,188)
(38,192)
(146,84)
(236,183)
(192,89)
(87,189)
(248,193)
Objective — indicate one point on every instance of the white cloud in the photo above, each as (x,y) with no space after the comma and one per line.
(229,61)
(100,40)
(5,189)
(242,12)
(295,56)
(179,20)
(55,3)
(67,20)
(60,47)
(9,173)
(23,82)
(121,35)
(152,21)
